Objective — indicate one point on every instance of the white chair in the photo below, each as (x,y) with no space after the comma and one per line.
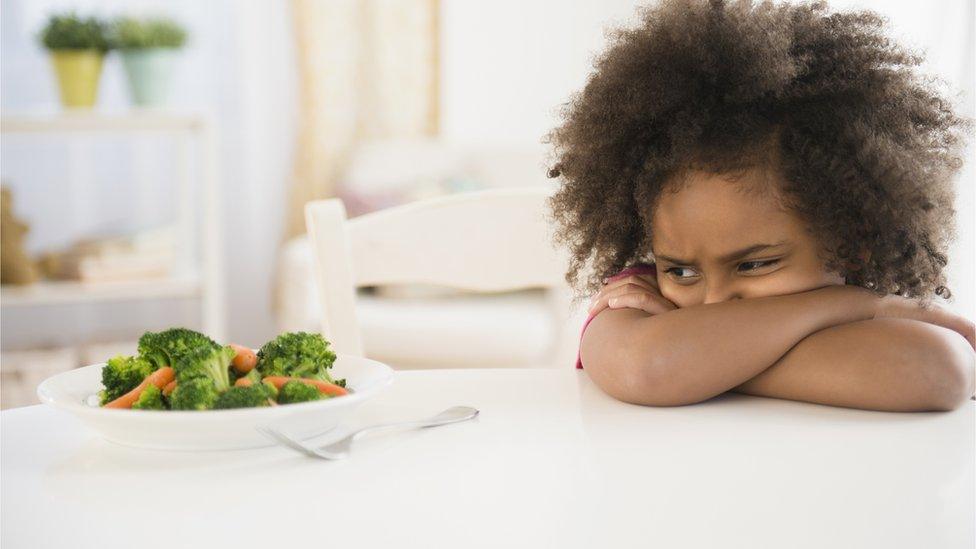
(487,241)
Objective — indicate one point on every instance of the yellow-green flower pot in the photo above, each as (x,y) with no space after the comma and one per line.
(78,73)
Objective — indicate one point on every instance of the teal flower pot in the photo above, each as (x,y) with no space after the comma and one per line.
(150,72)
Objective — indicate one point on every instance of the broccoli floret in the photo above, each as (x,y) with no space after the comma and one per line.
(121,375)
(244,397)
(166,347)
(196,393)
(298,354)
(254,376)
(296,391)
(151,398)
(272,390)
(208,363)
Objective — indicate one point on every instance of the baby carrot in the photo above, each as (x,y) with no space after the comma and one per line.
(160,378)
(169,388)
(322,386)
(242,382)
(245,360)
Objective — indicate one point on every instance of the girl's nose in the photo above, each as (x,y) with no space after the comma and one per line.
(717,293)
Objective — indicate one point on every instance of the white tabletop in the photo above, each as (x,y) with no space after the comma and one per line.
(551,462)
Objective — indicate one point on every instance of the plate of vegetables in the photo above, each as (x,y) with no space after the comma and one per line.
(184,391)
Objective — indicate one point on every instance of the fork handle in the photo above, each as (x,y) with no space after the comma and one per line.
(451,415)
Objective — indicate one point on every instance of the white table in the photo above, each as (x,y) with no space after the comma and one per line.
(551,462)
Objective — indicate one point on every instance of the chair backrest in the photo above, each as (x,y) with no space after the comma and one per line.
(485,241)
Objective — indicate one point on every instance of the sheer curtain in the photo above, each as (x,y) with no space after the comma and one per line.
(368,69)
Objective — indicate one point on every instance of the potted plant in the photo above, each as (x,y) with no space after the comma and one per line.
(78,46)
(149,48)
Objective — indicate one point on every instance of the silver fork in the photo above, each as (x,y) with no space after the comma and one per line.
(340,448)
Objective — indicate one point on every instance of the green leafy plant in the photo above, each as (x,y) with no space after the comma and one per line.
(130,33)
(68,31)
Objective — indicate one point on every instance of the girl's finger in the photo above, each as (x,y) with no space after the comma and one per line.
(649,303)
(650,279)
(959,324)
(655,303)
(937,314)
(600,299)
(647,282)
(941,316)
(644,280)
(614,285)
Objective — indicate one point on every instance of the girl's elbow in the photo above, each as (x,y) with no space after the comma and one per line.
(646,373)
(646,381)
(951,380)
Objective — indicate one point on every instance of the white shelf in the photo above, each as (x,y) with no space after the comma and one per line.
(92,121)
(190,130)
(58,293)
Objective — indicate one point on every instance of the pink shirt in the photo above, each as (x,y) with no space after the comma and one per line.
(636,269)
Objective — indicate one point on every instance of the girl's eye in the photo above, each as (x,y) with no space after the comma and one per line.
(754,265)
(687,274)
(677,272)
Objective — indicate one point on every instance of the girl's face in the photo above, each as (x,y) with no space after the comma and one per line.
(717,239)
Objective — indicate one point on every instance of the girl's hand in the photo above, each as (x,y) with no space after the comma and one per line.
(633,292)
(894,306)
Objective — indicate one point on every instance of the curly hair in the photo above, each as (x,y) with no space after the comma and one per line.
(866,148)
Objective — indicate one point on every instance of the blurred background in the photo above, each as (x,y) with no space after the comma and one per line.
(172,193)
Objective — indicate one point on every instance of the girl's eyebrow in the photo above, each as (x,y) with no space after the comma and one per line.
(727,258)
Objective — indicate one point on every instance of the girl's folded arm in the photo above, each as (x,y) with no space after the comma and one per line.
(691,354)
(897,365)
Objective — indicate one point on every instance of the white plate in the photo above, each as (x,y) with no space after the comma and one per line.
(212,429)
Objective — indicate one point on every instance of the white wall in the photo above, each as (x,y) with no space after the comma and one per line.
(508,64)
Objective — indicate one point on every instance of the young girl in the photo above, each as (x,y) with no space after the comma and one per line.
(778,181)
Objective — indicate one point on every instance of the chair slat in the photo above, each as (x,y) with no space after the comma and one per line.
(486,241)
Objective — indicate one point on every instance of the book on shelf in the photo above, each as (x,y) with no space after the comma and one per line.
(137,256)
